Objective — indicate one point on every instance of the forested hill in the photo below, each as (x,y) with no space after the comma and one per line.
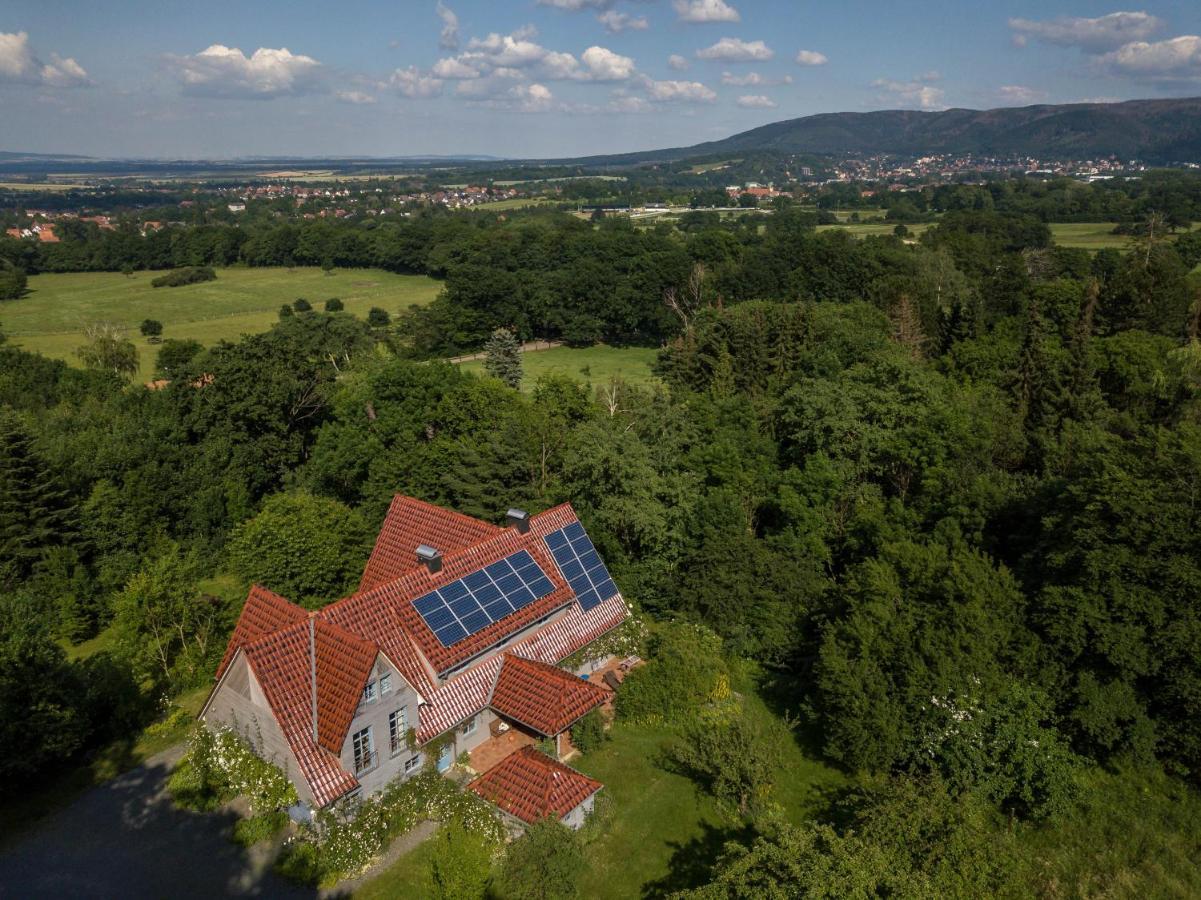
(1158,131)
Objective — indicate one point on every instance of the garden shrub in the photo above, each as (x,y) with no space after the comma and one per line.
(249,832)
(219,766)
(182,277)
(685,670)
(589,732)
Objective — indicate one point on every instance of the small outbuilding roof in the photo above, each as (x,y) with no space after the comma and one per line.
(531,786)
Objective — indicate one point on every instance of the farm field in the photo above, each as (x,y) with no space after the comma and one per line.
(592,364)
(1088,236)
(51,318)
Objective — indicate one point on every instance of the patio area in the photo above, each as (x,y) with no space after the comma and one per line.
(499,745)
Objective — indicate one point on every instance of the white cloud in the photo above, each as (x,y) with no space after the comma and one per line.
(18,63)
(1090,35)
(752,79)
(630,105)
(454,68)
(414,85)
(616,22)
(220,71)
(359,98)
(1019,95)
(605,65)
(701,11)
(532,97)
(576,5)
(677,62)
(515,50)
(1176,59)
(449,38)
(679,92)
(735,50)
(920,93)
(811,58)
(756,101)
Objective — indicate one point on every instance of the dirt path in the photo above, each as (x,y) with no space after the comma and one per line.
(527,347)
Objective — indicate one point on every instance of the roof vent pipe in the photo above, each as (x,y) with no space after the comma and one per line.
(519,519)
(430,558)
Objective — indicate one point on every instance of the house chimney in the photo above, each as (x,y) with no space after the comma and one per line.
(519,519)
(430,558)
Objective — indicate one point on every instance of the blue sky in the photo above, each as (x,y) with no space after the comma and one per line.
(219,79)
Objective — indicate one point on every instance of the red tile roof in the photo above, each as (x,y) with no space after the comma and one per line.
(263,613)
(530,785)
(411,523)
(541,696)
(281,663)
(274,635)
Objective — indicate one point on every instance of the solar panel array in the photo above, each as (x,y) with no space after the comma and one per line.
(581,565)
(472,603)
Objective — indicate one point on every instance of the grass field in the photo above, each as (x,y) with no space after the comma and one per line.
(875,229)
(46,186)
(1088,236)
(657,827)
(50,319)
(591,364)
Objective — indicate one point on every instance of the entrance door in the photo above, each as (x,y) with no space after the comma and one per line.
(446,757)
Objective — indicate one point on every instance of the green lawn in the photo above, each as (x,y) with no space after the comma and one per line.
(592,364)
(876,229)
(50,319)
(1088,236)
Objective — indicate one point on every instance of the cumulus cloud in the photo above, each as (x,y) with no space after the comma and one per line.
(1176,59)
(756,101)
(616,22)
(752,79)
(736,50)
(413,84)
(358,98)
(811,58)
(605,65)
(920,93)
(220,71)
(677,62)
(1019,95)
(629,104)
(701,11)
(19,64)
(1090,35)
(449,38)
(679,92)
(516,55)
(454,69)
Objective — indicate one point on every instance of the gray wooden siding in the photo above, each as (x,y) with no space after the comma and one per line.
(374,715)
(240,704)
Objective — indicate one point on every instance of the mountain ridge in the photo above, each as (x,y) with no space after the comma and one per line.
(1157,131)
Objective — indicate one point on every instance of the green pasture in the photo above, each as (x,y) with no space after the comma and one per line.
(595,365)
(51,317)
(877,229)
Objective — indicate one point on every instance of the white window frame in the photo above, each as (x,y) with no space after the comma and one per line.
(361,747)
(412,764)
(471,725)
(385,684)
(369,693)
(398,737)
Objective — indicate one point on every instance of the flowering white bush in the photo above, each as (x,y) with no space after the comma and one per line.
(348,837)
(219,766)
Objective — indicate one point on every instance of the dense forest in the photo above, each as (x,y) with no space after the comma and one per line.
(946,492)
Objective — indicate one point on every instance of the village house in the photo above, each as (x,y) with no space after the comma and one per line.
(451,645)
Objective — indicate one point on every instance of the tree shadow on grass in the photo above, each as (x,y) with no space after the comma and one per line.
(692,861)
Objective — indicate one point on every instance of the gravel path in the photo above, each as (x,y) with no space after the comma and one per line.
(124,839)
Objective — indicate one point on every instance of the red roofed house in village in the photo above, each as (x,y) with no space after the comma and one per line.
(456,633)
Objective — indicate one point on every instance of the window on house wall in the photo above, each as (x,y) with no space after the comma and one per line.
(412,764)
(385,684)
(471,724)
(364,750)
(398,728)
(369,692)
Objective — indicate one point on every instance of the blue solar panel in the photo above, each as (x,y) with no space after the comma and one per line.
(472,603)
(581,565)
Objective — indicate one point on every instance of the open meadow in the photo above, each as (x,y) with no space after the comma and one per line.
(51,317)
(591,364)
